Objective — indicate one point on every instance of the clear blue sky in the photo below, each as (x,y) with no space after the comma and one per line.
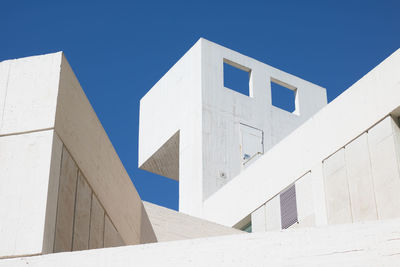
(119,49)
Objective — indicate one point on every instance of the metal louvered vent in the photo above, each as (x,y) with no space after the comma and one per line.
(288,207)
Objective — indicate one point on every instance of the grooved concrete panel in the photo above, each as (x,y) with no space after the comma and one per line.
(337,189)
(66,203)
(361,188)
(111,237)
(273,214)
(305,201)
(385,168)
(171,225)
(96,238)
(25,162)
(258,220)
(318,189)
(83,135)
(82,214)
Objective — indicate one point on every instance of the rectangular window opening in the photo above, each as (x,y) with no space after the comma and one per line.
(237,77)
(283,95)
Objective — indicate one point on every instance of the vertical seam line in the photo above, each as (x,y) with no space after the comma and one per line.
(73,223)
(5,96)
(372,177)
(58,197)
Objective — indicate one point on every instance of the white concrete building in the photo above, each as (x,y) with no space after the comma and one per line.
(330,172)
(204,134)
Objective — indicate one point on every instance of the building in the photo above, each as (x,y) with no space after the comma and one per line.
(329,172)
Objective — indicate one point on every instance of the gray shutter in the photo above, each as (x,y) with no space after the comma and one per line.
(288,207)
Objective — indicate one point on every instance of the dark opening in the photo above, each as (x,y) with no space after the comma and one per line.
(236,79)
(288,207)
(283,97)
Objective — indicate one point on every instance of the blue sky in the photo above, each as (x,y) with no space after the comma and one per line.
(119,49)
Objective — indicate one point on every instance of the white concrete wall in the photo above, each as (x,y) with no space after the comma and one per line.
(28,152)
(364,104)
(44,115)
(367,186)
(358,245)
(191,100)
(361,182)
(25,161)
(173,108)
(28,93)
(224,110)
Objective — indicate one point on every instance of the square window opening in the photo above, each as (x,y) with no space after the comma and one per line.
(283,96)
(237,77)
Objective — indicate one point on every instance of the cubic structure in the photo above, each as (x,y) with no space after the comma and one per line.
(316,184)
(204,134)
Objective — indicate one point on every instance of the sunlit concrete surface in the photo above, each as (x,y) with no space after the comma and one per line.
(195,130)
(170,225)
(328,173)
(57,165)
(362,244)
(368,109)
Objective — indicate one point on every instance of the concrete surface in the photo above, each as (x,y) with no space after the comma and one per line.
(48,126)
(171,225)
(190,99)
(354,112)
(25,161)
(362,244)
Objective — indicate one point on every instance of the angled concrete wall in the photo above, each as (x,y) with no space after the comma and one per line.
(82,133)
(55,156)
(170,225)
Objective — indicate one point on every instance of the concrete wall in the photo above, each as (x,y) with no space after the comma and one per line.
(225,110)
(170,225)
(362,180)
(82,133)
(271,210)
(191,112)
(25,162)
(170,128)
(354,112)
(55,159)
(81,222)
(28,99)
(361,183)
(369,244)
